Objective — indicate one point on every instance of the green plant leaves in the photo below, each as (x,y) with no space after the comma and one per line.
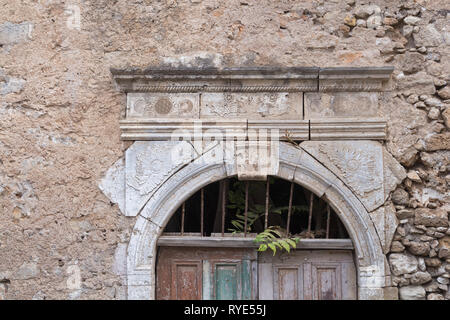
(272,238)
(262,247)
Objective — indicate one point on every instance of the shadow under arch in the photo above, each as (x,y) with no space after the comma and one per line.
(296,165)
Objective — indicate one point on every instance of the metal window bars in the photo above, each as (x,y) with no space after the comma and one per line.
(266,211)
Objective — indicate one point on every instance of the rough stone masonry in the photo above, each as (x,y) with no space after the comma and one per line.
(60,236)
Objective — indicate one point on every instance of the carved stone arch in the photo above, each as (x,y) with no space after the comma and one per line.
(294,164)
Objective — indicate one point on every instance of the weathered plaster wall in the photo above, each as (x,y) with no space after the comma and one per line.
(59,113)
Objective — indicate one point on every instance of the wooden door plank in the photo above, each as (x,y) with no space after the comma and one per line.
(349,288)
(207,287)
(265,281)
(307,282)
(186,280)
(246,280)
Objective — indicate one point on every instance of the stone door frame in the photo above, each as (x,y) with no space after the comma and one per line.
(336,112)
(294,165)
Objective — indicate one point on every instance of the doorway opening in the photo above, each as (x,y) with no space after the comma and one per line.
(207,250)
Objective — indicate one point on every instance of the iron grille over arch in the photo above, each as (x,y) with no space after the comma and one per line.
(229,206)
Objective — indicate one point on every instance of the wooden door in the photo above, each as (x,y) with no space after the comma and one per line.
(206,273)
(307,275)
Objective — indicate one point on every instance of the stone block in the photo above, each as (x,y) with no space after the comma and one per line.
(359,164)
(412,293)
(13,33)
(113,184)
(27,271)
(163,105)
(431,217)
(255,160)
(386,223)
(341,104)
(147,165)
(403,263)
(271,105)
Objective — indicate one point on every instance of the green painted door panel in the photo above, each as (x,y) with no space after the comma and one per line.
(246,278)
(226,281)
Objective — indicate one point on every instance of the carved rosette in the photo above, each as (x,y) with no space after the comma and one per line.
(359,164)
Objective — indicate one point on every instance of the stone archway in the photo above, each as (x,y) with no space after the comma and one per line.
(294,164)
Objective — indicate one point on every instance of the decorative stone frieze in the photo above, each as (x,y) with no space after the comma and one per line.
(319,105)
(259,105)
(161,101)
(354,79)
(175,105)
(258,79)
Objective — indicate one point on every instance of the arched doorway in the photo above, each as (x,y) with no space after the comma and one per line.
(294,165)
(208,248)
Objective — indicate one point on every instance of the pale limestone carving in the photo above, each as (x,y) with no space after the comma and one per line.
(386,223)
(255,160)
(252,105)
(319,105)
(160,105)
(316,129)
(393,173)
(359,164)
(147,165)
(113,184)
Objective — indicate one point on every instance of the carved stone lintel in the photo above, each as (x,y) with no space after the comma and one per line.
(253,79)
(354,79)
(219,129)
(113,184)
(141,105)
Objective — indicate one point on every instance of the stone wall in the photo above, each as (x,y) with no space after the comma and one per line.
(59,113)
